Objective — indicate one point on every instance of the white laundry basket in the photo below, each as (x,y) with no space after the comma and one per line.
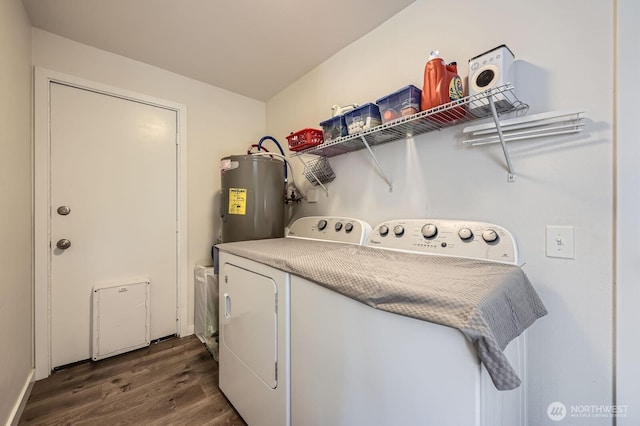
(206,307)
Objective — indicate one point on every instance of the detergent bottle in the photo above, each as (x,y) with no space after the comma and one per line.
(442,84)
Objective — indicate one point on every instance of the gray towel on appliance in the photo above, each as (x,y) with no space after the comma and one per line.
(490,303)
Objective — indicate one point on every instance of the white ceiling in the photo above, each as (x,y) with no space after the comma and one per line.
(252,47)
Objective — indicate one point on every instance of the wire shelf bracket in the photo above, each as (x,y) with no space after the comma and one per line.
(378,166)
(511,177)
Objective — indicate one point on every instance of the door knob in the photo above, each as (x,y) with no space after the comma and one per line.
(63,210)
(63,244)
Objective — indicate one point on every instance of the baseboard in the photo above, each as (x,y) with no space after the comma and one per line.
(16,413)
(190,330)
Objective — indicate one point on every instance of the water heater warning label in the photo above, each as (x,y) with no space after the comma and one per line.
(237,201)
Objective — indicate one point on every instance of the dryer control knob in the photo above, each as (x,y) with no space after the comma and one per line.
(429,230)
(490,235)
(465,233)
(348,227)
(398,230)
(384,230)
(322,224)
(338,226)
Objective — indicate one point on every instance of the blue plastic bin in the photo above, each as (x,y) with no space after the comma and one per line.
(405,101)
(334,128)
(362,118)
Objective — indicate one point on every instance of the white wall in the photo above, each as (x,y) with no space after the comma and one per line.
(219,123)
(16,335)
(628,210)
(564,52)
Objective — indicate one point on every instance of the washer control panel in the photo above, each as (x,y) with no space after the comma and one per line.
(330,228)
(459,238)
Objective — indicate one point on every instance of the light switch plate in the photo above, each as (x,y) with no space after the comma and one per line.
(560,242)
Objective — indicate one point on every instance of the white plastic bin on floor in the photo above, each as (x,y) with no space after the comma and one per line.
(121,317)
(206,307)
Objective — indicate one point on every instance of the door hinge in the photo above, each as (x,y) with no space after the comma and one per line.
(276,371)
(276,303)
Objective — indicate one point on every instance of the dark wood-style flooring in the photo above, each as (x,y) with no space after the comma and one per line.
(173,382)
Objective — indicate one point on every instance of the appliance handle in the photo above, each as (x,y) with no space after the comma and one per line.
(227,306)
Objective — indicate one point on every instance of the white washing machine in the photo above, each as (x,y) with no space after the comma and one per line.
(254,365)
(355,365)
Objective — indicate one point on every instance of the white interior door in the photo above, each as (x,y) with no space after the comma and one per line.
(113,164)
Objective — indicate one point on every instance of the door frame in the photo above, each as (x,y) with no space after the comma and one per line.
(626,211)
(42,226)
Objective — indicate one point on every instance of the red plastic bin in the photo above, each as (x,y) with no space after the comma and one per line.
(305,138)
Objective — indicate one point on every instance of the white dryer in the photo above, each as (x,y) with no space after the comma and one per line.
(254,365)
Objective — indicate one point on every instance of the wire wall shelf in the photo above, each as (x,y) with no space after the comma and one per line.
(465,110)
(491,103)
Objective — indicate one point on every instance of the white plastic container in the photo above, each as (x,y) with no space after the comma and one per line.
(206,307)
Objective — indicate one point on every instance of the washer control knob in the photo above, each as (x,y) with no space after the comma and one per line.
(338,226)
(384,230)
(429,230)
(322,224)
(465,234)
(348,227)
(398,230)
(490,235)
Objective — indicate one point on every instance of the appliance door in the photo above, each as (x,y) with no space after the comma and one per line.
(254,329)
(250,324)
